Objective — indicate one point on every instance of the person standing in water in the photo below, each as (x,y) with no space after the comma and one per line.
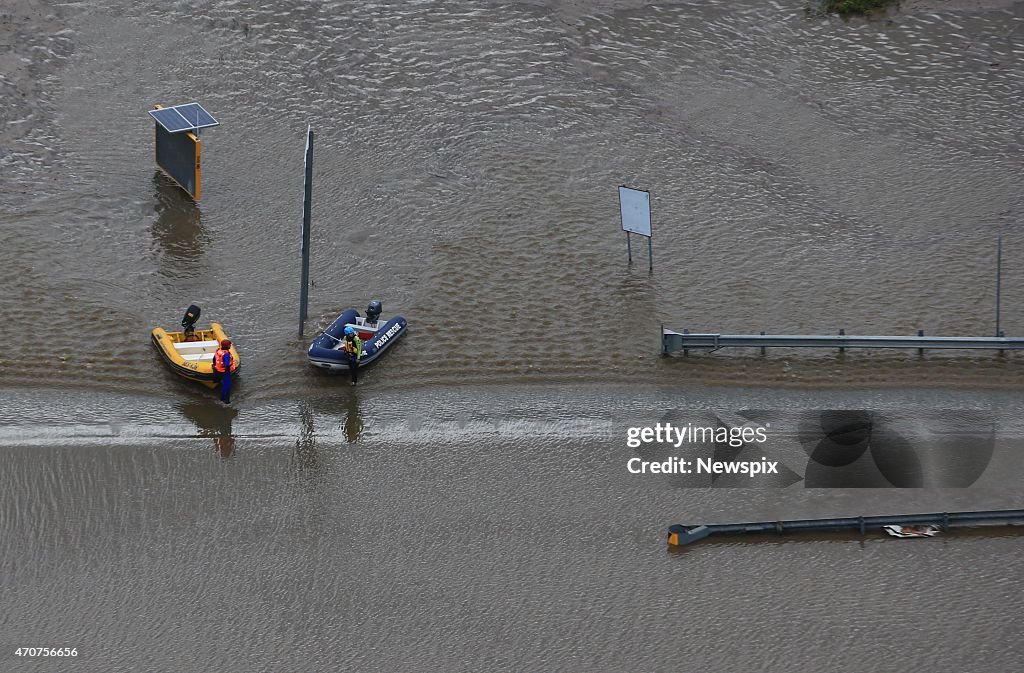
(352,345)
(222,365)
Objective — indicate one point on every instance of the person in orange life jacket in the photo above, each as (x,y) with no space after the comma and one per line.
(352,345)
(222,366)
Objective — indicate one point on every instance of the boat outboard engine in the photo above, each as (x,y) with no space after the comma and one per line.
(191,316)
(373,311)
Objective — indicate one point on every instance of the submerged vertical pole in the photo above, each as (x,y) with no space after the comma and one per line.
(307,213)
(999,278)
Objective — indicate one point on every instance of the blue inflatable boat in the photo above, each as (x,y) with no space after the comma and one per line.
(377,335)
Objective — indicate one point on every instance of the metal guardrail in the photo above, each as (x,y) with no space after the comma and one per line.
(680,534)
(674,341)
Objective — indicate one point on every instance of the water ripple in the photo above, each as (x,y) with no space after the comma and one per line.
(467,158)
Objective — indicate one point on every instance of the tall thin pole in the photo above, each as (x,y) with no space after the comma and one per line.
(650,239)
(307,214)
(629,249)
(999,278)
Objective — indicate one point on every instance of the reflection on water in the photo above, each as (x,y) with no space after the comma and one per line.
(213,419)
(307,458)
(344,405)
(353,421)
(226,445)
(178,229)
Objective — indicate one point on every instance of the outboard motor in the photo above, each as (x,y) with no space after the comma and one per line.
(373,311)
(191,316)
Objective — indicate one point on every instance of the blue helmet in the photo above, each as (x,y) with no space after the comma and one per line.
(350,330)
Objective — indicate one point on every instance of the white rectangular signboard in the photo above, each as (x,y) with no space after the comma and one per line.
(635,207)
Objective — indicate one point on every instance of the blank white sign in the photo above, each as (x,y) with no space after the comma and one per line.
(635,206)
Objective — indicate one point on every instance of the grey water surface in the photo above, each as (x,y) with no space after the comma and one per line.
(467,507)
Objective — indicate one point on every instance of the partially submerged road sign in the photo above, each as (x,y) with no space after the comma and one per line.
(635,208)
(635,211)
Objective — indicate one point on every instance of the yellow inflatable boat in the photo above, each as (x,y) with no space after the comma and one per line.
(189,353)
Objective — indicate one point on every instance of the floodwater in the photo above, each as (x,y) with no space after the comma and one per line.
(468,507)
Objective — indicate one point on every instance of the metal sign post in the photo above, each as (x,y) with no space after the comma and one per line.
(307,208)
(999,278)
(635,211)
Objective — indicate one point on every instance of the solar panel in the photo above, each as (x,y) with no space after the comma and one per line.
(196,115)
(187,117)
(170,120)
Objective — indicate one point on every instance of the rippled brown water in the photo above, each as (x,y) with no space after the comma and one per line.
(808,174)
(469,529)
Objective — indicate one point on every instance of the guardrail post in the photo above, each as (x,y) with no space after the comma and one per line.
(762,347)
(686,351)
(920,333)
(842,332)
